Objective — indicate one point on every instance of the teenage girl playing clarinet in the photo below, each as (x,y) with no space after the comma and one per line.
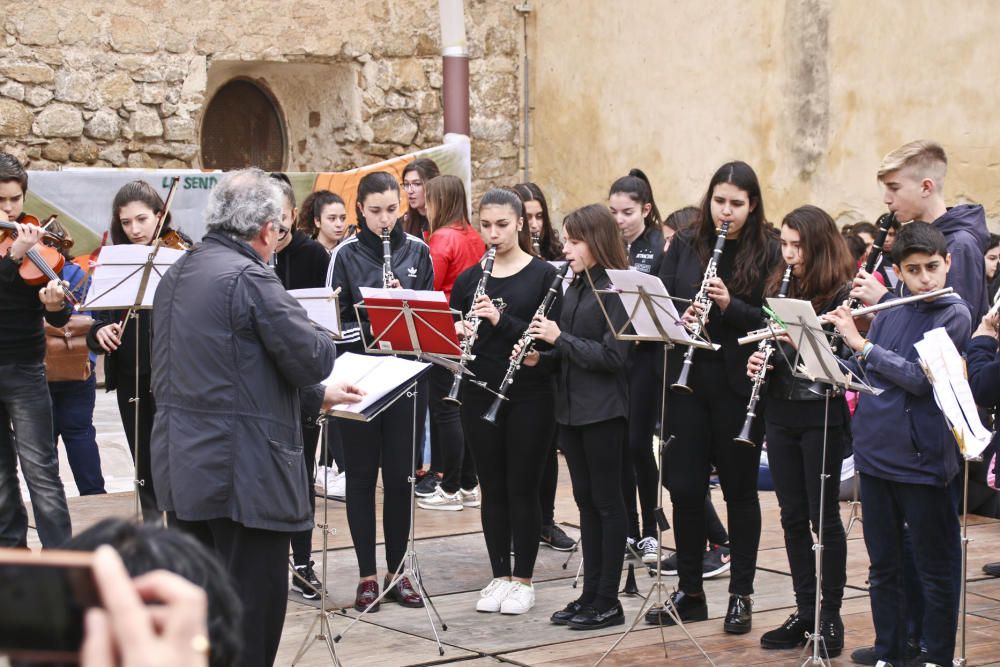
(822,267)
(591,409)
(705,422)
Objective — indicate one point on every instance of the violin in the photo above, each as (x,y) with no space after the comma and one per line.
(174,240)
(45,261)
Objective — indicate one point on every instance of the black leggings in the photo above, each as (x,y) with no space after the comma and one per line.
(550,481)
(384,442)
(704,425)
(593,454)
(454,459)
(147,411)
(510,456)
(639,470)
(795,458)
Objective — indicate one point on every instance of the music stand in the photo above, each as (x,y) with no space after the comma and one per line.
(815,361)
(653,317)
(322,305)
(426,331)
(126,277)
(945,370)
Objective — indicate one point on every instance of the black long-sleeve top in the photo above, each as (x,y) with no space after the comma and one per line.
(22,336)
(120,366)
(591,385)
(521,293)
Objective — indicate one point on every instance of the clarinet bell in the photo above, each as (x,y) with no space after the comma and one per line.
(744,437)
(491,414)
(452,397)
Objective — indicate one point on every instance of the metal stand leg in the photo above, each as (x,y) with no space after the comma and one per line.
(960,660)
(323,616)
(137,483)
(815,639)
(855,504)
(658,584)
(409,566)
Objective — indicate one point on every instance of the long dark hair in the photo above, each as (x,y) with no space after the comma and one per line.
(595,226)
(372,183)
(414,222)
(636,185)
(507,197)
(827,262)
(755,239)
(548,245)
(450,204)
(135,191)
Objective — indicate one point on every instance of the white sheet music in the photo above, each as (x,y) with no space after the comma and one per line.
(377,375)
(118,274)
(400,293)
(628,282)
(321,305)
(946,371)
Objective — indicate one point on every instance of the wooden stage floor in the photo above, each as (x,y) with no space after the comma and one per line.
(453,560)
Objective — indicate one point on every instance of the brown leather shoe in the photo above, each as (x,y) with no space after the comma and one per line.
(367,594)
(403,593)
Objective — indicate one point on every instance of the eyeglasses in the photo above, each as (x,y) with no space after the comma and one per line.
(282,231)
(412,185)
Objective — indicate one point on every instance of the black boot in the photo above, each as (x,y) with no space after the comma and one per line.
(791,634)
(739,617)
(831,629)
(688,608)
(590,618)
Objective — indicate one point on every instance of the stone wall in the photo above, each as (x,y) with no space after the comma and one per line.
(125,84)
(811,93)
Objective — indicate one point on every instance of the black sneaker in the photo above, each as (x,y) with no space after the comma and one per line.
(305,582)
(591,619)
(668,566)
(866,654)
(992,569)
(425,487)
(554,537)
(831,628)
(688,608)
(791,634)
(715,561)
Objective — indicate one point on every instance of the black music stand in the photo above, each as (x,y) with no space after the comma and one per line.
(652,316)
(126,277)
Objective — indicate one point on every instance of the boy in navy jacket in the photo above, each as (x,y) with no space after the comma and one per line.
(905,452)
(983,362)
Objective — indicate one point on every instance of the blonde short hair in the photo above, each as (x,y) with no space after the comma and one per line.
(926,158)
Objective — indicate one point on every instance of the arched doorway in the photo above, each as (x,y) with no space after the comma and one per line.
(242,127)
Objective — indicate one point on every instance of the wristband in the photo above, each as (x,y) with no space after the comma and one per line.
(866,349)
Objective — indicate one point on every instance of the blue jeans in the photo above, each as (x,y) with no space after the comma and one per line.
(73,419)
(933,526)
(26,406)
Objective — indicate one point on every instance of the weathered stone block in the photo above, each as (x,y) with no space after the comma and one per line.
(37,96)
(15,119)
(132,35)
(80,31)
(74,85)
(410,75)
(56,150)
(13,90)
(141,161)
(145,122)
(27,72)
(179,129)
(152,93)
(59,120)
(104,125)
(84,151)
(116,89)
(114,155)
(394,127)
(39,28)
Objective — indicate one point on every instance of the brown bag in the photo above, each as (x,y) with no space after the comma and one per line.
(66,354)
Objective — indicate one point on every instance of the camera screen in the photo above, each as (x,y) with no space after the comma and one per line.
(42,607)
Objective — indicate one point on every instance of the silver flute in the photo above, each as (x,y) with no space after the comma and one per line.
(387,276)
(702,299)
(773,332)
(471,326)
(766,346)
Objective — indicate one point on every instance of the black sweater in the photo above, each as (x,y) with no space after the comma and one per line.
(303,263)
(521,293)
(120,367)
(22,336)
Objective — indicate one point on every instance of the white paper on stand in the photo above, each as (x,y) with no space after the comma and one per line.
(321,306)
(379,376)
(946,371)
(404,294)
(627,283)
(118,274)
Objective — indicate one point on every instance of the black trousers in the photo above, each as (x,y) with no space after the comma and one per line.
(593,454)
(795,458)
(147,410)
(454,459)
(384,443)
(550,482)
(510,456)
(639,472)
(257,562)
(704,425)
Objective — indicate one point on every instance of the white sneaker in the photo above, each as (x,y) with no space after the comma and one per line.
(441,500)
(520,599)
(649,548)
(323,473)
(470,498)
(491,598)
(336,486)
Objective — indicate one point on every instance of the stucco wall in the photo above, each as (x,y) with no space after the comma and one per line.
(812,93)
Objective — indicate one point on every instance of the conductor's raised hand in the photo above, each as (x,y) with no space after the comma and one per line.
(339,393)
(109,337)
(867,288)
(544,329)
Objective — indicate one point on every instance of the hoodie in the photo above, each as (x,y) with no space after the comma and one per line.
(901,434)
(964,229)
(302,263)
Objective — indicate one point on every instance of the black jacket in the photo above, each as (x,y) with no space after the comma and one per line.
(357,262)
(682,273)
(303,263)
(646,252)
(22,336)
(232,350)
(592,386)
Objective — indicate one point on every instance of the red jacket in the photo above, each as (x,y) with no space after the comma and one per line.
(453,249)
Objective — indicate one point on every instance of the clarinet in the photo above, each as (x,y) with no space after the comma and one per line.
(471,322)
(875,256)
(702,299)
(387,276)
(536,244)
(767,347)
(527,343)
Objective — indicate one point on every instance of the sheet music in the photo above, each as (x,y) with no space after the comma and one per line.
(946,371)
(321,306)
(377,375)
(118,275)
(628,282)
(401,293)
